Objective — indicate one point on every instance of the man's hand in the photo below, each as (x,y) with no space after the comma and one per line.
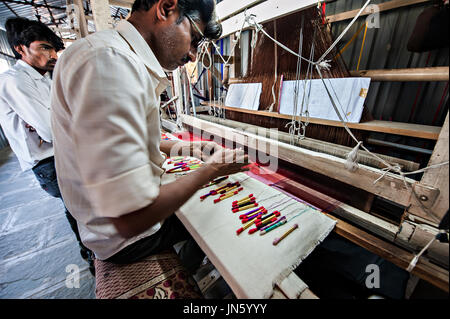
(30,128)
(228,162)
(204,150)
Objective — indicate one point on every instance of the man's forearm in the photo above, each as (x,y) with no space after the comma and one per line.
(175,148)
(171,197)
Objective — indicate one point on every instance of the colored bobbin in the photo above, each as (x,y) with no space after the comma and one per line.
(277,240)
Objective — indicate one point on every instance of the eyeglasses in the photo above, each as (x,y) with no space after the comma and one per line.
(198,40)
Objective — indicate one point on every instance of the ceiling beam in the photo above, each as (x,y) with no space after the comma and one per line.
(36,5)
(10,9)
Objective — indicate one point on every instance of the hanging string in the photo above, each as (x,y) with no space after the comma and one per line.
(362,46)
(276,67)
(343,33)
(294,125)
(349,42)
(309,71)
(293,128)
(259,28)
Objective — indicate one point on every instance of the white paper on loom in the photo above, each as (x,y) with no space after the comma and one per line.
(244,95)
(251,264)
(348,93)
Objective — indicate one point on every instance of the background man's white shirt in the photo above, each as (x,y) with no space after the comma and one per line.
(25,99)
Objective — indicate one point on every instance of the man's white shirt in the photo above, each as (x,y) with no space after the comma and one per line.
(105,119)
(25,99)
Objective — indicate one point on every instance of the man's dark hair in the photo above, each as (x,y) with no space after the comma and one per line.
(197,9)
(23,31)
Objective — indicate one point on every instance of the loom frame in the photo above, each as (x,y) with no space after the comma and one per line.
(417,227)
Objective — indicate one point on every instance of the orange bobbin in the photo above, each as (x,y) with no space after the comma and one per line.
(240,230)
(231,191)
(240,209)
(265,222)
(243,199)
(238,204)
(274,214)
(221,198)
(226,190)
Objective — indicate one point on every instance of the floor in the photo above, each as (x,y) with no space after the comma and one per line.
(39,255)
(38,251)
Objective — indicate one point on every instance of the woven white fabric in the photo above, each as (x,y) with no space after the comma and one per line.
(251,264)
(349,93)
(244,95)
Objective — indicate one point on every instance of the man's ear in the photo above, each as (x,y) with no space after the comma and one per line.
(19,49)
(165,8)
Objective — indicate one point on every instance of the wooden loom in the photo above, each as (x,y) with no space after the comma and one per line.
(321,159)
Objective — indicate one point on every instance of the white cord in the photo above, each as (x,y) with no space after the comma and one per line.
(414,261)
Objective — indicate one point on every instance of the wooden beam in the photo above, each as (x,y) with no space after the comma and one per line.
(440,73)
(409,236)
(313,144)
(424,269)
(265,11)
(217,59)
(329,204)
(416,236)
(396,128)
(332,207)
(437,178)
(385,6)
(81,18)
(102,14)
(390,187)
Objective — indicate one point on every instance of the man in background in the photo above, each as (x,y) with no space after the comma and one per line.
(25,105)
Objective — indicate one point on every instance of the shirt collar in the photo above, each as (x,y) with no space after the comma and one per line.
(35,75)
(141,48)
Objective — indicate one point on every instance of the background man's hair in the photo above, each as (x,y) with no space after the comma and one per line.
(23,31)
(197,9)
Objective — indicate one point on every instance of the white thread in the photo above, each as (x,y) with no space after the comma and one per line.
(351,163)
(414,261)
(276,68)
(342,34)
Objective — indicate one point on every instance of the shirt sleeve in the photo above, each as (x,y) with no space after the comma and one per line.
(108,98)
(24,99)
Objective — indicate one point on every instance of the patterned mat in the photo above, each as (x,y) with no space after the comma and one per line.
(156,277)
